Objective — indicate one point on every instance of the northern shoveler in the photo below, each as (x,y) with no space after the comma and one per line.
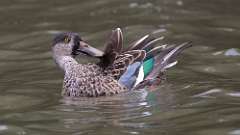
(119,70)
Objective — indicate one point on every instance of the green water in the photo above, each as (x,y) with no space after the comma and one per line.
(200,97)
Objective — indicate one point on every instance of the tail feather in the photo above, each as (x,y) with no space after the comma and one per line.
(150,44)
(166,59)
(141,63)
(145,43)
(154,51)
(157,60)
(172,55)
(137,43)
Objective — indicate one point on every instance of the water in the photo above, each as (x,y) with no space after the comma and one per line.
(201,95)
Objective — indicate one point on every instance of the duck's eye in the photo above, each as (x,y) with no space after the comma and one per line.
(67,40)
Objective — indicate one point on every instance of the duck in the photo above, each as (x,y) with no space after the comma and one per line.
(119,69)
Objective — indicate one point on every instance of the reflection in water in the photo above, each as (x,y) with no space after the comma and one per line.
(110,110)
(200,96)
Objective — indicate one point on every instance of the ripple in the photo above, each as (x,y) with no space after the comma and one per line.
(232,52)
(235,132)
(3,127)
(11,102)
(208,93)
(234,94)
(200,96)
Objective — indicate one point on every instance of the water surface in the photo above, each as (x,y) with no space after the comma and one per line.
(201,95)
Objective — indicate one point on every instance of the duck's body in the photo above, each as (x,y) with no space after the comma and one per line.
(119,69)
(89,80)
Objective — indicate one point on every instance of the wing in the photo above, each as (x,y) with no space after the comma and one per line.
(116,60)
(113,48)
(141,62)
(123,60)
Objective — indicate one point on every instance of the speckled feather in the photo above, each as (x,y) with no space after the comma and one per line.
(112,74)
(90,80)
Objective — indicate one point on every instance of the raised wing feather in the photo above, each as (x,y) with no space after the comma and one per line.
(140,60)
(123,60)
(113,48)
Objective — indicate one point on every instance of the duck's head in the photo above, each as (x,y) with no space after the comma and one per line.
(71,44)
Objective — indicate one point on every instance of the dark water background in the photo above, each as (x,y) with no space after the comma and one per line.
(200,97)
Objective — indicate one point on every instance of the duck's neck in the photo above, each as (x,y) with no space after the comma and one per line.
(66,63)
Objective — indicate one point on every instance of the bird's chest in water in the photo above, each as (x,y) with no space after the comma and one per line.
(69,81)
(80,86)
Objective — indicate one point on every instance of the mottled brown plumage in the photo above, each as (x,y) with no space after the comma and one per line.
(115,60)
(89,80)
(119,69)
(82,79)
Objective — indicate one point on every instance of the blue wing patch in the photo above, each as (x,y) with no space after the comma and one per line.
(128,79)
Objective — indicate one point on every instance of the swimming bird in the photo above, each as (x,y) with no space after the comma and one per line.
(118,70)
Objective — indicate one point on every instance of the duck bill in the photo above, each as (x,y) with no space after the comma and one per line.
(89,50)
